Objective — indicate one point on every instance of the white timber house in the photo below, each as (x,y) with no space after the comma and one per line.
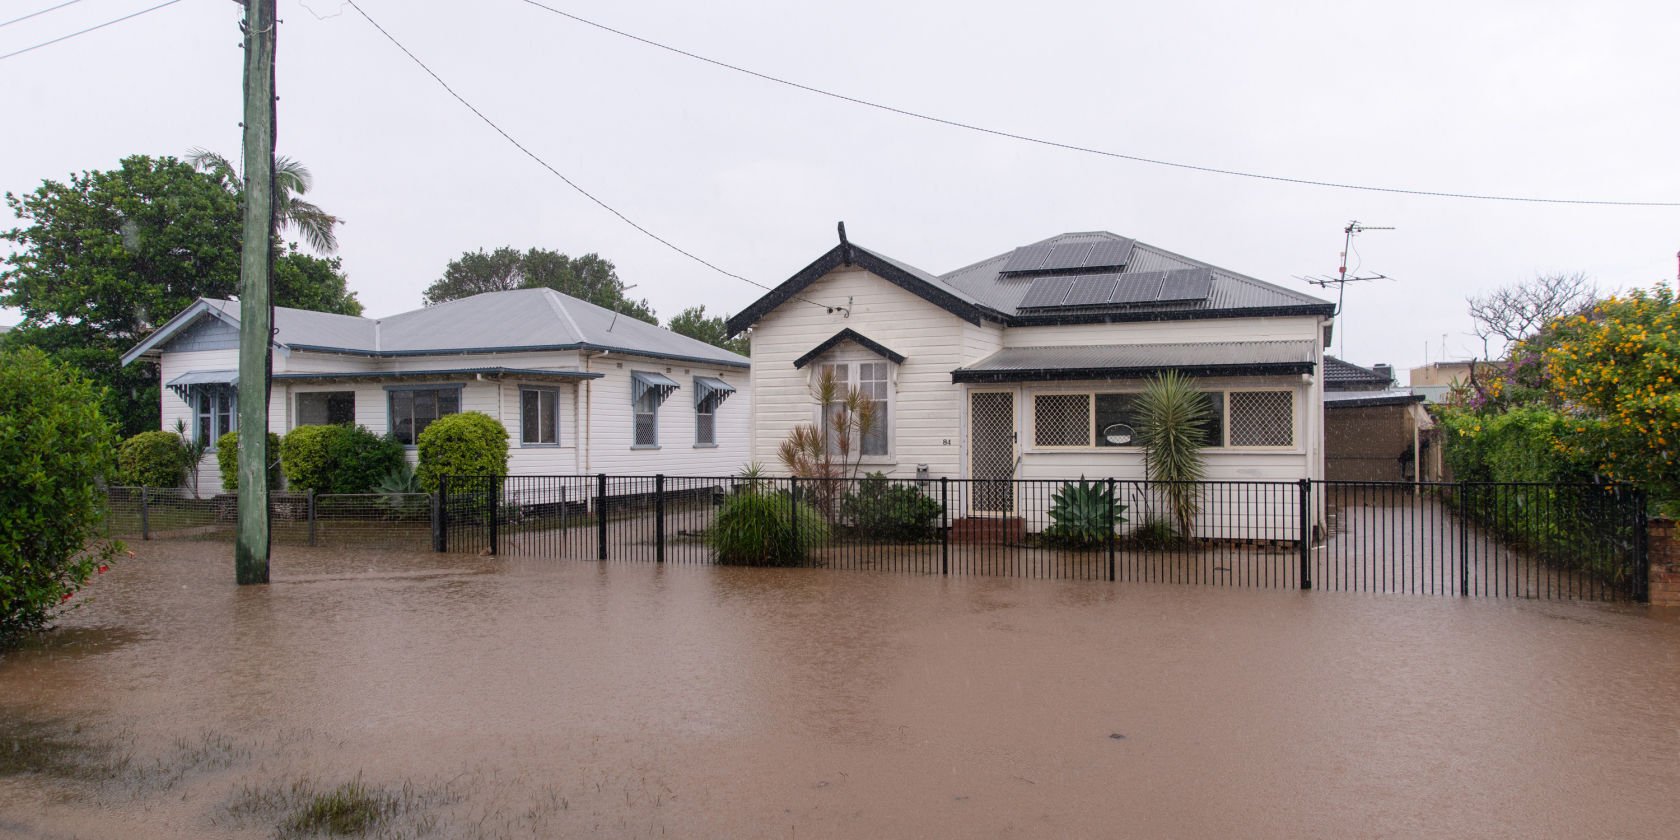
(1025,365)
(581,389)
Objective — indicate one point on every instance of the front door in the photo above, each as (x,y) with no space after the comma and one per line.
(991,436)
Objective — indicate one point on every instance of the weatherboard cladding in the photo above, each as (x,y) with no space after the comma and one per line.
(1135,360)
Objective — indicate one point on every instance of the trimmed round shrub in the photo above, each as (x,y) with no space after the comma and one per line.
(227,460)
(153,459)
(469,443)
(337,459)
(53,444)
(757,529)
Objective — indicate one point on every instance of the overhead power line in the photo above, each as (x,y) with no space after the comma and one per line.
(545,164)
(1026,138)
(84,31)
(42,12)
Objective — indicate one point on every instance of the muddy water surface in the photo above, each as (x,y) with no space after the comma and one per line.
(531,698)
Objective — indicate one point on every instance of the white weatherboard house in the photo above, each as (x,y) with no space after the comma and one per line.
(1024,365)
(580,388)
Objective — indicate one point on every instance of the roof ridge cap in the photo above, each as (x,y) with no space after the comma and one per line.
(560,308)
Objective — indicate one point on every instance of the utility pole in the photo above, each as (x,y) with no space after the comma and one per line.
(255,315)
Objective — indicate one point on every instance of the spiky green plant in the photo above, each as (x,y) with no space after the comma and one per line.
(1083,514)
(1172,428)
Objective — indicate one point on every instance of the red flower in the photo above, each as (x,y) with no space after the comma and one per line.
(103,568)
(66,597)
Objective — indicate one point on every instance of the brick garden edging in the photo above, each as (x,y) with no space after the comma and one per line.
(1663,550)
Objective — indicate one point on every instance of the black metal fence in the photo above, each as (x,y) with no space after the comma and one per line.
(387,520)
(1482,540)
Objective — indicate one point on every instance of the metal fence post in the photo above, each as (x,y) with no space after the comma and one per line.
(437,521)
(1111,524)
(443,514)
(311,515)
(944,525)
(145,521)
(793,514)
(659,518)
(1641,577)
(1305,496)
(601,515)
(494,508)
(1464,540)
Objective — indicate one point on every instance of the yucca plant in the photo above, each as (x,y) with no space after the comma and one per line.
(1172,428)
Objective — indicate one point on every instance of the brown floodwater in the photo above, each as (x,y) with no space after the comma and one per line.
(542,698)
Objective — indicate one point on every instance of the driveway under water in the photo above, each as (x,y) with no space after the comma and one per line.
(540,698)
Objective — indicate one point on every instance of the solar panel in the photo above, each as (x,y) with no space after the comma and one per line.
(1090,290)
(1046,292)
(1187,284)
(1026,258)
(1067,256)
(1109,253)
(1142,287)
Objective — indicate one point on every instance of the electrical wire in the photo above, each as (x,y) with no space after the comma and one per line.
(1025,138)
(42,12)
(87,30)
(544,164)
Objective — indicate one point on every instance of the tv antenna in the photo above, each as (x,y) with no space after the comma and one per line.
(1341,279)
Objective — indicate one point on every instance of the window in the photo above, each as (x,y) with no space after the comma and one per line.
(873,383)
(326,408)
(214,414)
(539,416)
(1062,420)
(647,418)
(413,409)
(1262,418)
(705,424)
(1254,418)
(709,393)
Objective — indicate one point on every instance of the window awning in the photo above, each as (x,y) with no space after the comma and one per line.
(1141,361)
(184,383)
(643,382)
(710,392)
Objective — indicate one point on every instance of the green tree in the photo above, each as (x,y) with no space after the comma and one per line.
(103,258)
(588,277)
(693,323)
(54,445)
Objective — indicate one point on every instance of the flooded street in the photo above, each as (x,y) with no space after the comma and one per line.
(544,698)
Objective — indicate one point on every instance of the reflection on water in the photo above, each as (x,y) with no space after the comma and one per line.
(541,698)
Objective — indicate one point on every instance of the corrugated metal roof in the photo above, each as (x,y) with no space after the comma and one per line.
(1129,360)
(521,319)
(984,282)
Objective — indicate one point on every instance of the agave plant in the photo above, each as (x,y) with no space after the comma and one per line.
(1083,514)
(1172,428)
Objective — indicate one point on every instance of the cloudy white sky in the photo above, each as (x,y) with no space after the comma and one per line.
(1547,99)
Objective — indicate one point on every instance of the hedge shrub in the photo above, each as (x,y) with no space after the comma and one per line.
(153,459)
(756,529)
(884,511)
(227,460)
(1523,444)
(54,443)
(337,459)
(469,443)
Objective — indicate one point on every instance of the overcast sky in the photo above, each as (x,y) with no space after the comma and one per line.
(1548,99)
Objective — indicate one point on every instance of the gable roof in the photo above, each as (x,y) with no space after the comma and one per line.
(854,337)
(493,322)
(901,274)
(982,290)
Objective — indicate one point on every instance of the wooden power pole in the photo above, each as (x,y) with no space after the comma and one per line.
(255,315)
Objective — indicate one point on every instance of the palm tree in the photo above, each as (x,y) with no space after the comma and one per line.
(291,181)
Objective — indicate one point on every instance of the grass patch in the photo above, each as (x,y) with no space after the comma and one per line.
(59,749)
(351,808)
